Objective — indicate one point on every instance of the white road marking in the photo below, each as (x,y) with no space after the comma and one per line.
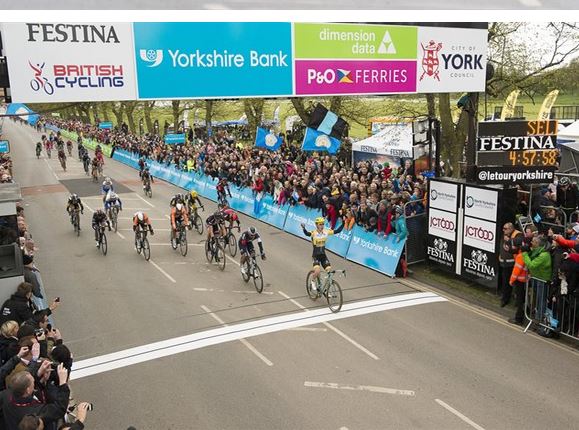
(308,329)
(243,341)
(531,3)
(232,259)
(100,198)
(458,414)
(157,229)
(253,292)
(214,290)
(121,236)
(335,330)
(153,351)
(169,277)
(214,6)
(150,204)
(50,167)
(152,219)
(88,207)
(168,244)
(381,390)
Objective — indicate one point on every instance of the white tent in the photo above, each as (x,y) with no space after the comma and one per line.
(569,134)
(394,140)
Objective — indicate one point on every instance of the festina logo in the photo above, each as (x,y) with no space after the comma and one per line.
(516,143)
(480,267)
(437,253)
(72,33)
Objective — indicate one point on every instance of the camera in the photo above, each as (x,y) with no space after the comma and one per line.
(39,332)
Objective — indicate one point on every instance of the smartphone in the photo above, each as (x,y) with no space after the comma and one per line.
(57,299)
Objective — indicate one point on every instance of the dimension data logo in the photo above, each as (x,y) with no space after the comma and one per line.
(363,41)
(213,59)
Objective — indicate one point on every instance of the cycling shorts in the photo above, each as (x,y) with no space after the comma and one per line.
(246,247)
(321,260)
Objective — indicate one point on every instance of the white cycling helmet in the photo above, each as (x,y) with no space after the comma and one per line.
(179,206)
(140,216)
(107,179)
(113,195)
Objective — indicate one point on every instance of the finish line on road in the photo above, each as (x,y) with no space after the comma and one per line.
(153,351)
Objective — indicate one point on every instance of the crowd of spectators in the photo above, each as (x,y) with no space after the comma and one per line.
(35,364)
(366,194)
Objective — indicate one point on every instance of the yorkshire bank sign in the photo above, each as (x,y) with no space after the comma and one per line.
(63,62)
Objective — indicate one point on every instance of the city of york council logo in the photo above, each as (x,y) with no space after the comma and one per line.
(430,61)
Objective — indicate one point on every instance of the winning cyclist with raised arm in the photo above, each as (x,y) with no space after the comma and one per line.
(319,237)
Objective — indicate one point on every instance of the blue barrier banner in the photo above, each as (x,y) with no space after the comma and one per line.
(198,181)
(215,59)
(300,214)
(339,243)
(127,158)
(107,125)
(171,139)
(272,213)
(52,127)
(210,190)
(4,146)
(378,253)
(241,200)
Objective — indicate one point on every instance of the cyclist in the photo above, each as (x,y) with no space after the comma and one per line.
(215,226)
(99,219)
(94,167)
(229,215)
(146,177)
(178,216)
(38,148)
(48,147)
(85,161)
(69,147)
(191,201)
(62,157)
(246,248)
(107,183)
(222,188)
(142,221)
(142,166)
(74,204)
(319,237)
(112,199)
(177,198)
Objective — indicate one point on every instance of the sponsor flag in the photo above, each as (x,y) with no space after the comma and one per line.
(509,107)
(327,122)
(266,139)
(315,140)
(545,112)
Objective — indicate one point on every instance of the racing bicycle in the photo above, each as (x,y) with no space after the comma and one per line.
(253,271)
(75,221)
(328,287)
(95,174)
(195,218)
(180,238)
(147,188)
(230,241)
(102,239)
(113,214)
(142,243)
(214,252)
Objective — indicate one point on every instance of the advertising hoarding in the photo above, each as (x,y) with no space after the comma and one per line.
(481,203)
(70,62)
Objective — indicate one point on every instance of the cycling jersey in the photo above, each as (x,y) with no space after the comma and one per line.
(230,215)
(180,216)
(319,239)
(213,220)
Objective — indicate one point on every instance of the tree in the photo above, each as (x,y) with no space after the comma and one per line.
(129,108)
(147,109)
(118,110)
(254,111)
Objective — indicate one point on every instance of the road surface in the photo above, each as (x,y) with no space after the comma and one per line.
(399,363)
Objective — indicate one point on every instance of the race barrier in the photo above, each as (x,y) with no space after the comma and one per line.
(365,248)
(87,143)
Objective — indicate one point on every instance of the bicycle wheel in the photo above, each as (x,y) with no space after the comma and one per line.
(115,219)
(313,294)
(146,249)
(104,245)
(334,296)
(150,192)
(208,252)
(220,257)
(257,278)
(198,224)
(77,224)
(183,243)
(232,244)
(138,244)
(246,276)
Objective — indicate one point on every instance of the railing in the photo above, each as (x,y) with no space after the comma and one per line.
(564,112)
(554,310)
(558,228)
(415,247)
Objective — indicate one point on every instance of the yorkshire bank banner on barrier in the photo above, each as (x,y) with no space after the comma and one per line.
(127,158)
(213,59)
(378,253)
(70,62)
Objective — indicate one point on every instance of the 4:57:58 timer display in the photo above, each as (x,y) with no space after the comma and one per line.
(534,158)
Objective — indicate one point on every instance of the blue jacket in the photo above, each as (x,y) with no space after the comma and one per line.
(400,227)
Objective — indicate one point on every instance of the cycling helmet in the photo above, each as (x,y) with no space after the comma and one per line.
(252,231)
(564,181)
(218,214)
(140,216)
(320,220)
(113,195)
(107,179)
(179,206)
(193,193)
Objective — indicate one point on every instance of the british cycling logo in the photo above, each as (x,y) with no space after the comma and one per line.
(469,202)
(39,82)
(152,56)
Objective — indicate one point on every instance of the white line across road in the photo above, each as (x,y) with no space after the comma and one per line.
(381,390)
(245,342)
(531,3)
(458,414)
(153,351)
(169,277)
(149,203)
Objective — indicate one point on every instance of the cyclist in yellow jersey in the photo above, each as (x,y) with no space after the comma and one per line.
(319,237)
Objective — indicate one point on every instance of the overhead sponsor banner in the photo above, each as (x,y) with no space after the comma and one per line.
(451,59)
(481,203)
(213,59)
(57,62)
(378,253)
(172,139)
(443,195)
(479,265)
(441,251)
(315,77)
(24,112)
(394,139)
(516,174)
(480,234)
(442,224)
(355,41)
